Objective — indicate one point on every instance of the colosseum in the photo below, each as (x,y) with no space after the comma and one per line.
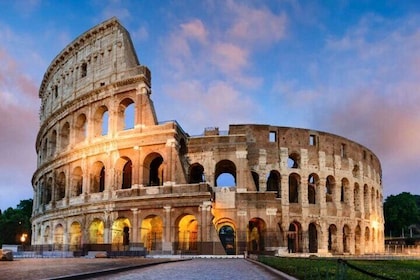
(111,177)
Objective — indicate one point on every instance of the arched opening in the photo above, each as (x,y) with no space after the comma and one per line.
(98,178)
(313,182)
(152,232)
(256,179)
(126,114)
(47,233)
(346,239)
(367,241)
(227,237)
(58,237)
(294,160)
(366,199)
(313,238)
(330,189)
(294,238)
(80,127)
(96,232)
(332,239)
(100,121)
(187,233)
(65,135)
(156,172)
(294,182)
(196,174)
(345,191)
(75,236)
(120,233)
(48,191)
(357,200)
(274,182)
(225,173)
(357,240)
(60,186)
(127,175)
(256,235)
(77,182)
(53,142)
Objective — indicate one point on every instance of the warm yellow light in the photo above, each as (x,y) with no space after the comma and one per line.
(375,224)
(23,238)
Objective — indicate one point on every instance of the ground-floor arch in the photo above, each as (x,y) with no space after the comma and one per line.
(294,238)
(96,232)
(187,232)
(313,238)
(151,232)
(120,233)
(75,236)
(256,234)
(58,237)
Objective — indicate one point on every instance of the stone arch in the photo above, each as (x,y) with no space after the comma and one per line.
(293,160)
(357,198)
(53,142)
(96,231)
(357,240)
(330,189)
(294,187)
(126,114)
(58,239)
(274,182)
(196,173)
(313,183)
(187,226)
(332,239)
(313,238)
(345,191)
(124,167)
(346,239)
(372,200)
(77,182)
(98,177)
(226,230)
(367,240)
(100,121)
(120,233)
(294,237)
(225,171)
(366,198)
(80,128)
(47,233)
(75,236)
(257,230)
(60,186)
(152,232)
(153,170)
(65,135)
(48,190)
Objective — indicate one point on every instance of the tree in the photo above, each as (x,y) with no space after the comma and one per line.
(15,222)
(400,211)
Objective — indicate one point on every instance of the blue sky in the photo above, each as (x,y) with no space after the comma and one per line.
(344,67)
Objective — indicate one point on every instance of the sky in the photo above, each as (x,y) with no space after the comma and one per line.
(350,68)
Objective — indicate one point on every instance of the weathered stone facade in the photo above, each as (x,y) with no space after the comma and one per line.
(110,176)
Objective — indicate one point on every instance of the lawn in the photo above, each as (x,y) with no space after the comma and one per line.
(329,268)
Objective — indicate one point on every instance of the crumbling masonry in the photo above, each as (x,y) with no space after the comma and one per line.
(111,177)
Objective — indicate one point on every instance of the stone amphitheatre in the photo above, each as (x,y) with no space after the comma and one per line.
(111,177)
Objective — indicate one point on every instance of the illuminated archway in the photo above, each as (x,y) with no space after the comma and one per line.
(187,233)
(151,232)
(256,235)
(75,236)
(58,237)
(120,233)
(96,232)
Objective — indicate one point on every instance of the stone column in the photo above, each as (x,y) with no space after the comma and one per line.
(167,241)
(135,227)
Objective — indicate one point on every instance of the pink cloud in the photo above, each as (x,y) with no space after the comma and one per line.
(229,58)
(194,29)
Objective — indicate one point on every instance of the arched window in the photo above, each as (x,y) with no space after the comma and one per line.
(80,127)
(196,174)
(98,180)
(77,182)
(127,175)
(313,181)
(153,170)
(225,174)
(274,182)
(60,186)
(100,121)
(330,189)
(65,135)
(126,114)
(53,142)
(293,160)
(294,182)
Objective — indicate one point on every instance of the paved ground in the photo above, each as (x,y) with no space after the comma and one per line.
(132,268)
(39,268)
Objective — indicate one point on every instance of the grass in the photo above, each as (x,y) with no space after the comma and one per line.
(328,268)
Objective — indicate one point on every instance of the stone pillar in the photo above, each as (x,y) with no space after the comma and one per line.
(167,241)
(135,227)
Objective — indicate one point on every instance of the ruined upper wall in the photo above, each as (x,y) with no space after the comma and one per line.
(99,57)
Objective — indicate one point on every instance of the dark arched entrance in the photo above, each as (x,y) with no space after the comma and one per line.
(227,237)
(313,239)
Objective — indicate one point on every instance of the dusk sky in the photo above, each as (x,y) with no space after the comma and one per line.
(350,68)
